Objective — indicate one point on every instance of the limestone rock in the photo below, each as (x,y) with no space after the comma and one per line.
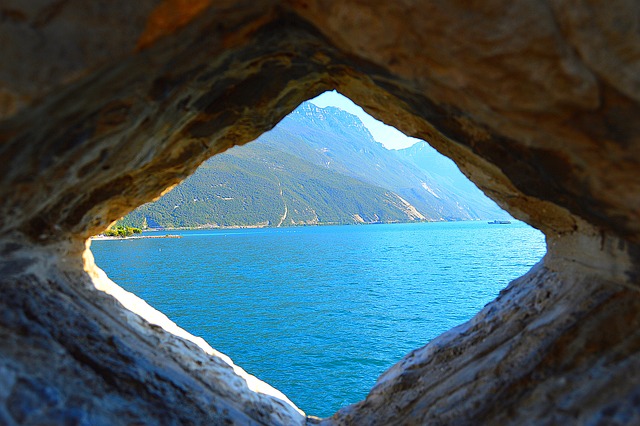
(106,104)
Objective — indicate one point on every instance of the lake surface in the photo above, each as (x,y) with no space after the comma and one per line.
(321,312)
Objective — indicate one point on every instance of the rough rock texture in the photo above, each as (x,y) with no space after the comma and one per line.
(106,104)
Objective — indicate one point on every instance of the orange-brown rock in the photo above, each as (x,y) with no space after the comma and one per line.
(106,104)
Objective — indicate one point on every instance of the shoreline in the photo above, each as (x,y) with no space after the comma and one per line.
(206,227)
(235,227)
(231,227)
(137,237)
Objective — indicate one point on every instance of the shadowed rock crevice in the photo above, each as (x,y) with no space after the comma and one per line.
(536,105)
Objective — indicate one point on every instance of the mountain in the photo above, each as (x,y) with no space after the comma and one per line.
(337,140)
(318,166)
(452,180)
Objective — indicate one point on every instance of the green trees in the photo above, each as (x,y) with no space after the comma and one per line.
(121,231)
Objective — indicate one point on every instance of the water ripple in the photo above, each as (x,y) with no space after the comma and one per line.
(321,312)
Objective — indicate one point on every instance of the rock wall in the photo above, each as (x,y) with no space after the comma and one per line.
(106,104)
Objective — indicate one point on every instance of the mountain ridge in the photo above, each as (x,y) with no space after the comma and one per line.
(317,166)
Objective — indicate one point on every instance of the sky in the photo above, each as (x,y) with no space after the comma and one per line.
(388,136)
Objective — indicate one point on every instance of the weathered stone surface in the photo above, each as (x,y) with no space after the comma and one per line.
(104,105)
(74,355)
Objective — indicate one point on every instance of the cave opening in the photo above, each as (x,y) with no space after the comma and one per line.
(299,305)
(103,107)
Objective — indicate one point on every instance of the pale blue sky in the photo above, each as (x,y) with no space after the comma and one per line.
(389,136)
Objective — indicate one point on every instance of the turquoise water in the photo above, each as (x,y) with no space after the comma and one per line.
(321,312)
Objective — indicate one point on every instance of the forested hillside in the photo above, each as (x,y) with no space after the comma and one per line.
(318,166)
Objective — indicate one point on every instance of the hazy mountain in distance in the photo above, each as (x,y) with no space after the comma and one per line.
(447,174)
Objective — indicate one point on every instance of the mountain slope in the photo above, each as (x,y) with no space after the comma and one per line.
(337,140)
(317,166)
(256,185)
(451,179)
